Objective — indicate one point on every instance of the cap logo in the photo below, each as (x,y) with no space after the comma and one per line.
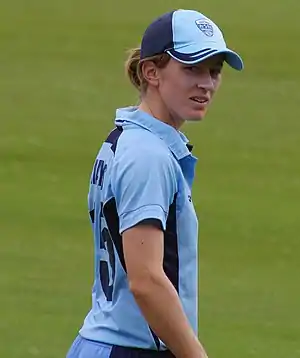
(205,27)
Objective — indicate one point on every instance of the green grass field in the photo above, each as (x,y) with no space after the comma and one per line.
(61,78)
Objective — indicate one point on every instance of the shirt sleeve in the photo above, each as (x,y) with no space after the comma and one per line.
(144,184)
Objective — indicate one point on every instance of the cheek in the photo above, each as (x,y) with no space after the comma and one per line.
(175,91)
(217,83)
(168,92)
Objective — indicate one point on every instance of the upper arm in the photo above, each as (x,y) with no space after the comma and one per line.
(143,247)
(144,185)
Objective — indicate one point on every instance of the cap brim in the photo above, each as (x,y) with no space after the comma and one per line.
(232,58)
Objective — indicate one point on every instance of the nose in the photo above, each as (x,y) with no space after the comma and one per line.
(205,81)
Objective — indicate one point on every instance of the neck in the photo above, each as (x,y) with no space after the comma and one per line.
(153,105)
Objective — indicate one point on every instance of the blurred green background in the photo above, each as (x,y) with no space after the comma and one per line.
(61,79)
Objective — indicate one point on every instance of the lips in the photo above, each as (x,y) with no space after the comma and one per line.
(200,100)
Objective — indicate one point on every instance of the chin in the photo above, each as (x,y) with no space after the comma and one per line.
(195,117)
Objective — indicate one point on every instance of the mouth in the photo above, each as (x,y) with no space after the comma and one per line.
(200,100)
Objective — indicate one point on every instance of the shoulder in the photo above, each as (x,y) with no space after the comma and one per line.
(142,146)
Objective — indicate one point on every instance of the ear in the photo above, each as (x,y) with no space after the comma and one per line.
(151,73)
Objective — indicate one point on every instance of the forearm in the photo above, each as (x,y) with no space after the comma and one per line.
(160,305)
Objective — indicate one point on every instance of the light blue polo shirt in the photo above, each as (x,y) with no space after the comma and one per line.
(144,170)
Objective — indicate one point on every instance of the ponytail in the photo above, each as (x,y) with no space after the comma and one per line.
(133,68)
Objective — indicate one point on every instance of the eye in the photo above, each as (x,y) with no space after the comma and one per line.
(191,68)
(214,72)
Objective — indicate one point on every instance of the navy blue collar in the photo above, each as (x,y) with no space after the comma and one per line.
(175,140)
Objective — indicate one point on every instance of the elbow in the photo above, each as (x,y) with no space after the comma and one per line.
(139,289)
(146,284)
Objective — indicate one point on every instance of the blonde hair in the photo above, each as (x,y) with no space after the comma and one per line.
(134,67)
